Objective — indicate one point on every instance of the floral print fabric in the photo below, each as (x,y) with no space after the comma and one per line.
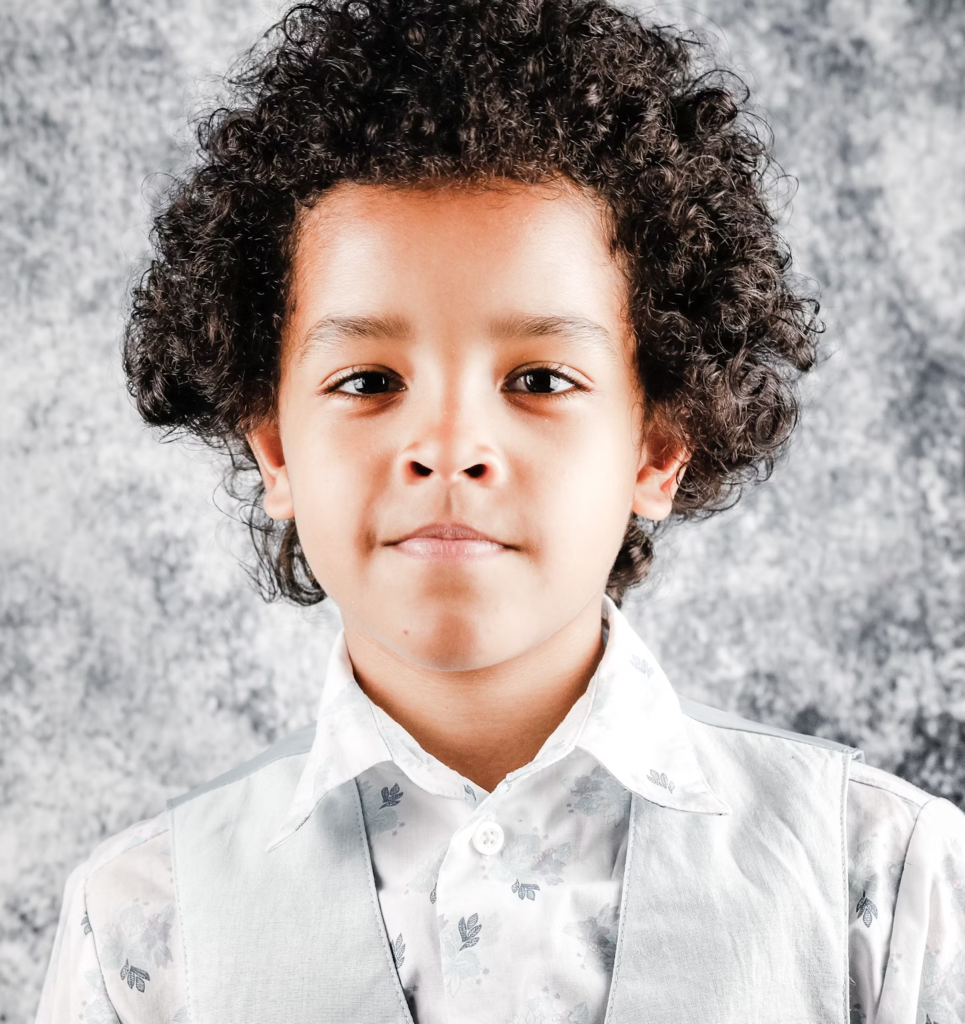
(527,934)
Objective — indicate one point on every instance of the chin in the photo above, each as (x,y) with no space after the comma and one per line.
(455,636)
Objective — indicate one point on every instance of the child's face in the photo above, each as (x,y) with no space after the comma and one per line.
(447,426)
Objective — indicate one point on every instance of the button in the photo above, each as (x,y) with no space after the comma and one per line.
(488,837)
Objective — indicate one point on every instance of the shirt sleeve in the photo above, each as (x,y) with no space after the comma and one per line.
(74,988)
(924,981)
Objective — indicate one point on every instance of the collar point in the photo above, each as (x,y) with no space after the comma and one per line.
(285,832)
(719,807)
(698,801)
(706,801)
(276,841)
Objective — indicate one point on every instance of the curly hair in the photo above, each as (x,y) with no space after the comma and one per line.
(411,92)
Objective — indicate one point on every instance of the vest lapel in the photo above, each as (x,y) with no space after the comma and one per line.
(292,936)
(739,917)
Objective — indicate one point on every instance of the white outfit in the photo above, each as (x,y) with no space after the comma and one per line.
(504,907)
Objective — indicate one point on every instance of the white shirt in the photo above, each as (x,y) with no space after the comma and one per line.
(503,907)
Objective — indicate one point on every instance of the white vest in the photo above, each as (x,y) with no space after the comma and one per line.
(733,933)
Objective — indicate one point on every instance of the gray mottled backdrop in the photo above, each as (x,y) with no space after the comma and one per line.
(136,660)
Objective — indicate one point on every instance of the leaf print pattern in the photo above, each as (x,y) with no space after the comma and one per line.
(660,779)
(398,951)
(599,793)
(391,797)
(470,793)
(85,921)
(862,869)
(525,890)
(469,931)
(865,882)
(866,910)
(551,862)
(541,1010)
(598,936)
(953,876)
(134,976)
(942,992)
(138,936)
(459,964)
(427,874)
(526,855)
(643,667)
(379,816)
(181,1017)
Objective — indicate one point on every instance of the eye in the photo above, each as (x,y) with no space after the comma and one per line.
(363,383)
(544,380)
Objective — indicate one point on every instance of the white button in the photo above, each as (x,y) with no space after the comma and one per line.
(488,837)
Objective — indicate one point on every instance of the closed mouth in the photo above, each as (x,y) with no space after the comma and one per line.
(448,532)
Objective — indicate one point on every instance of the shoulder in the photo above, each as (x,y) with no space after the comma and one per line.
(136,863)
(297,744)
(883,813)
(875,798)
(879,799)
(870,786)
(751,734)
(125,852)
(128,858)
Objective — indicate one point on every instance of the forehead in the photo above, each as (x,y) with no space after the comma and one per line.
(499,208)
(511,258)
(514,243)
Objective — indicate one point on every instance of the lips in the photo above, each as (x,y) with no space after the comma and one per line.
(449,531)
(449,542)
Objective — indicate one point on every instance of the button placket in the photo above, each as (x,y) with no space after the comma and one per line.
(460,864)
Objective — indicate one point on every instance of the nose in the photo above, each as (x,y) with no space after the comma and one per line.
(453,440)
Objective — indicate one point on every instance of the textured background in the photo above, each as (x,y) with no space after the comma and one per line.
(136,660)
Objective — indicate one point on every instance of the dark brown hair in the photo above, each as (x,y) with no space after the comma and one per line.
(416,91)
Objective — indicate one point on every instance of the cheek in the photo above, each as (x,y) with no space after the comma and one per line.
(587,481)
(335,481)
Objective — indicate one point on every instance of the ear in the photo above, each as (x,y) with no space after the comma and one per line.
(665,462)
(265,442)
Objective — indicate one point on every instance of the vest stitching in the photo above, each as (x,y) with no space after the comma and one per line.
(373,896)
(845,772)
(177,899)
(622,931)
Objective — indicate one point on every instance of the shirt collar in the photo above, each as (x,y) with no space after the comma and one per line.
(636,729)
(629,719)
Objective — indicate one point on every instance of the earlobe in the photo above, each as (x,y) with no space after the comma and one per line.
(266,446)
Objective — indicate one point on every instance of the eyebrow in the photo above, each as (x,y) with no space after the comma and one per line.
(332,331)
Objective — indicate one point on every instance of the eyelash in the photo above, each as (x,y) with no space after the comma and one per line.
(553,369)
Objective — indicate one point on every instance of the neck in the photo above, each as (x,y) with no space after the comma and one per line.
(483,723)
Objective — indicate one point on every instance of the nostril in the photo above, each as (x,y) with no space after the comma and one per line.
(476,470)
(420,469)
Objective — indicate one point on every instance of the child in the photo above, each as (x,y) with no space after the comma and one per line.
(480,293)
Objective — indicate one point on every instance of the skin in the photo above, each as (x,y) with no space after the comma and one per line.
(478,658)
